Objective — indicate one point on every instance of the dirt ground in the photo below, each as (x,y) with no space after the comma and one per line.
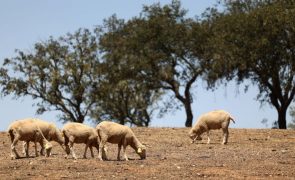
(250,154)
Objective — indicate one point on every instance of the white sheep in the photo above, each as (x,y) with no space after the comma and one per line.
(118,134)
(218,119)
(80,133)
(27,130)
(50,132)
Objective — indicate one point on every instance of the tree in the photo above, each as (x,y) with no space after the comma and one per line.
(123,97)
(157,47)
(255,40)
(292,114)
(58,73)
(126,102)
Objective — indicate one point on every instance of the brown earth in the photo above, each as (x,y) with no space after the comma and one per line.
(250,154)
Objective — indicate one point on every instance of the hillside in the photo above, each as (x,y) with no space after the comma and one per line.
(250,153)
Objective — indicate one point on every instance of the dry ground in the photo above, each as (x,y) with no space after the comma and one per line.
(250,154)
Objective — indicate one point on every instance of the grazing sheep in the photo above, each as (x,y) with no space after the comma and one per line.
(50,132)
(81,133)
(27,130)
(118,134)
(218,119)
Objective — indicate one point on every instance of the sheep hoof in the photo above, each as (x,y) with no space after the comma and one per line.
(13,157)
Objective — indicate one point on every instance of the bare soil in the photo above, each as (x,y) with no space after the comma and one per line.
(250,154)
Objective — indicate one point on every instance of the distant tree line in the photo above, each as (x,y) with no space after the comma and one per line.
(125,71)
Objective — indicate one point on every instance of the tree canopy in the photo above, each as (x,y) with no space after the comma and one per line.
(254,40)
(157,49)
(58,73)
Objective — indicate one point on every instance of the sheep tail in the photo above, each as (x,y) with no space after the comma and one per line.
(231,118)
(11,134)
(98,130)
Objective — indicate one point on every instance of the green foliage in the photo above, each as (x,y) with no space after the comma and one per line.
(254,40)
(58,72)
(156,49)
(125,95)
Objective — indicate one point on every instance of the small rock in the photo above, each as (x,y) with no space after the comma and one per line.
(199,174)
(163,158)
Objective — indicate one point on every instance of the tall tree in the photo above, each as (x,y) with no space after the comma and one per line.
(255,40)
(292,114)
(124,97)
(157,46)
(58,73)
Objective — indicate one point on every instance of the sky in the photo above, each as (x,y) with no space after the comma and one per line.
(23,23)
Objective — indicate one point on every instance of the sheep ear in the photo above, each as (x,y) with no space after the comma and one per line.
(139,150)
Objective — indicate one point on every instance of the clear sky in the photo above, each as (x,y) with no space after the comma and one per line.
(23,23)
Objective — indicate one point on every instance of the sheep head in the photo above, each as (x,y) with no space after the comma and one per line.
(48,147)
(194,135)
(141,151)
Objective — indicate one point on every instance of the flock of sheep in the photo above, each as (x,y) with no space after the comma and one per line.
(42,132)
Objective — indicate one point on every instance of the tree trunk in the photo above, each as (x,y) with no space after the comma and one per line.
(282,118)
(147,118)
(189,114)
(122,121)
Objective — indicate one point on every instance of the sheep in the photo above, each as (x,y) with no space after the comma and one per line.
(81,133)
(118,134)
(50,132)
(218,119)
(27,130)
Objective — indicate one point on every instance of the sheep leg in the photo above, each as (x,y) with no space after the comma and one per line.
(225,136)
(26,148)
(124,151)
(72,149)
(91,151)
(208,135)
(14,154)
(104,153)
(42,149)
(86,147)
(101,146)
(38,137)
(36,150)
(119,150)
(67,148)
